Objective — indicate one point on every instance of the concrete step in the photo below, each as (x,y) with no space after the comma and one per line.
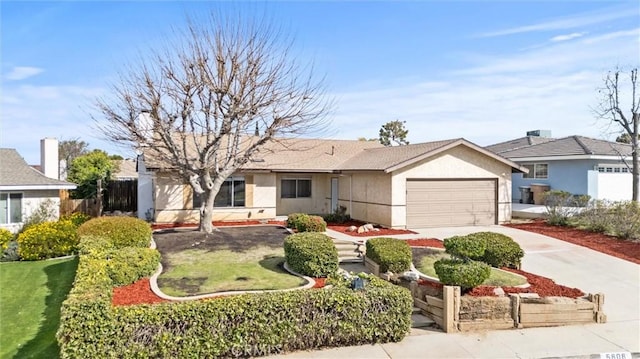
(350,259)
(420,321)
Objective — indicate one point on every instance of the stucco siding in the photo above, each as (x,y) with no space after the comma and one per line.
(458,162)
(318,203)
(565,175)
(367,196)
(31,201)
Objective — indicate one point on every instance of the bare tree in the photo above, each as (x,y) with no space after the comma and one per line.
(213,100)
(612,108)
(70,149)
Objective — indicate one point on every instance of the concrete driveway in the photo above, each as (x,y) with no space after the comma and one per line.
(567,264)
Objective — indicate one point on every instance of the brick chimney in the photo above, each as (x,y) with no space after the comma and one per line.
(49,164)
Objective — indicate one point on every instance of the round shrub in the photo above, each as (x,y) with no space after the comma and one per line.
(466,275)
(95,246)
(48,240)
(391,254)
(501,250)
(5,237)
(465,247)
(77,218)
(293,218)
(123,231)
(127,265)
(311,254)
(311,224)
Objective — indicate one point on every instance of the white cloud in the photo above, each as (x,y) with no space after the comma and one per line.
(567,22)
(498,98)
(571,36)
(22,72)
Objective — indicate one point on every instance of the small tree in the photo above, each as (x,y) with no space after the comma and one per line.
(213,100)
(86,170)
(613,109)
(69,150)
(394,133)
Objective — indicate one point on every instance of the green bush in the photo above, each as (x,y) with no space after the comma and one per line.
(500,250)
(460,273)
(293,218)
(626,220)
(391,254)
(338,216)
(561,206)
(311,224)
(10,252)
(123,231)
(77,218)
(596,217)
(311,254)
(46,211)
(48,240)
(465,247)
(245,325)
(127,265)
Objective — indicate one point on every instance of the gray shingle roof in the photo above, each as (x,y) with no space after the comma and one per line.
(15,172)
(517,143)
(570,146)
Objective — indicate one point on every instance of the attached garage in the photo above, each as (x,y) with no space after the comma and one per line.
(451,202)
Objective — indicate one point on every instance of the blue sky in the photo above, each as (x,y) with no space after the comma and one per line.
(487,71)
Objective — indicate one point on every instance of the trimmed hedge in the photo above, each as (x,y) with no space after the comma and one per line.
(233,326)
(500,250)
(391,254)
(461,273)
(127,265)
(311,254)
(293,218)
(77,218)
(311,224)
(47,240)
(465,247)
(123,231)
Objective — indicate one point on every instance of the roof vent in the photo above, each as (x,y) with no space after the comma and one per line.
(539,133)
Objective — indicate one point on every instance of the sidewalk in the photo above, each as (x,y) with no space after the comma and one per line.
(567,264)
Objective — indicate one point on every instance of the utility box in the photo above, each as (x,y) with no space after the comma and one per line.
(526,196)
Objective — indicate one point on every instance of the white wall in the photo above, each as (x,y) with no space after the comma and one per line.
(31,200)
(609,186)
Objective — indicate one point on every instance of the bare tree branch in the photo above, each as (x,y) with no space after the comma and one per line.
(205,95)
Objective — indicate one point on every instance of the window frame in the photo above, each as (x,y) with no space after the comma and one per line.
(196,201)
(297,188)
(534,168)
(8,217)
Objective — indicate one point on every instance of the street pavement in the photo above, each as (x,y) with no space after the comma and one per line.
(566,264)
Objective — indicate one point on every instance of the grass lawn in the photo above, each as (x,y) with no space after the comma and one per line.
(196,271)
(31,294)
(497,278)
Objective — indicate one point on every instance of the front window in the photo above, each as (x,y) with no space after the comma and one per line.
(231,194)
(536,170)
(10,208)
(295,188)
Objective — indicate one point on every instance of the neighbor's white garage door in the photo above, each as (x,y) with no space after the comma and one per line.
(441,203)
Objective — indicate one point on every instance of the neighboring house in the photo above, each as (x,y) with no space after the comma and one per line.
(576,164)
(23,188)
(443,183)
(126,170)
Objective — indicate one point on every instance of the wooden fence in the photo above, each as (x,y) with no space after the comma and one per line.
(68,205)
(116,196)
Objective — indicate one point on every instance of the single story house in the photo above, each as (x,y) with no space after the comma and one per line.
(23,188)
(443,183)
(576,164)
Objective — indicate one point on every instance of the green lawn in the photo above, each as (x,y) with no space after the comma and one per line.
(31,294)
(497,278)
(195,271)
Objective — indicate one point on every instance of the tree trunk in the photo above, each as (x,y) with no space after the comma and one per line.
(206,213)
(635,172)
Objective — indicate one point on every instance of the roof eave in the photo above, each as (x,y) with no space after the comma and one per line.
(570,157)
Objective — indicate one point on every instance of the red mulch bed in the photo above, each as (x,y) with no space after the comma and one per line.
(542,286)
(216,224)
(624,249)
(320,282)
(425,242)
(342,227)
(136,293)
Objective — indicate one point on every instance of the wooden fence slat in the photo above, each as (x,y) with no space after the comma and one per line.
(555,308)
(557,317)
(436,302)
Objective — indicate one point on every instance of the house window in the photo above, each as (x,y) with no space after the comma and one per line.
(10,208)
(295,188)
(231,194)
(537,170)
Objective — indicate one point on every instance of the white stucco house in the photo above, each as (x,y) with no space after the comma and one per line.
(443,183)
(23,188)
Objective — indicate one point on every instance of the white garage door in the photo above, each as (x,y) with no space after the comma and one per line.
(442,203)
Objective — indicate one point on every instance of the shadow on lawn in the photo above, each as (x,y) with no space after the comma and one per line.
(59,282)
